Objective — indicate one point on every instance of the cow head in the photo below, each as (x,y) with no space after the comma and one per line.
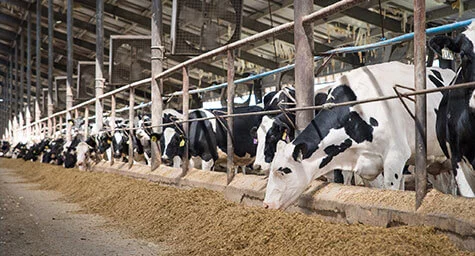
(172,143)
(287,178)
(104,142)
(82,155)
(464,45)
(271,131)
(120,144)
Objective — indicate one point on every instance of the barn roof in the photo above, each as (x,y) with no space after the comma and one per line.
(360,24)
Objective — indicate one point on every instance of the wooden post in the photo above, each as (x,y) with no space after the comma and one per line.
(99,63)
(157,68)
(230,108)
(50,67)
(421,106)
(61,124)
(69,80)
(304,76)
(186,125)
(112,126)
(131,126)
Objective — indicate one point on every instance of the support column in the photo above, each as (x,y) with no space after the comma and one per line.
(10,89)
(304,76)
(421,106)
(157,68)
(50,66)
(99,64)
(112,127)
(16,90)
(69,80)
(131,126)
(186,125)
(38,66)
(230,108)
(22,73)
(28,76)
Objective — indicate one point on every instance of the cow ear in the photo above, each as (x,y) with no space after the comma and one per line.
(440,42)
(280,146)
(299,151)
(253,132)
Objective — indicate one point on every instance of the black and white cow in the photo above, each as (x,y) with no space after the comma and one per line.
(207,139)
(52,152)
(5,148)
(366,138)
(456,115)
(36,151)
(272,99)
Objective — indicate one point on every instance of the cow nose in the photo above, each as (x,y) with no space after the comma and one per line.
(256,166)
(266,206)
(164,157)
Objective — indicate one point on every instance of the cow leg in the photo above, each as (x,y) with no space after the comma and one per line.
(243,169)
(463,179)
(347,176)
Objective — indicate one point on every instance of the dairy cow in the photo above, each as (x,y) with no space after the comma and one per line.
(456,115)
(366,138)
(208,139)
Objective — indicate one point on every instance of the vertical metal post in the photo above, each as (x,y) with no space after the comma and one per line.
(17,91)
(10,89)
(54,125)
(230,108)
(157,68)
(50,65)
(69,80)
(22,72)
(304,75)
(131,126)
(86,122)
(112,126)
(99,63)
(420,84)
(28,75)
(38,65)
(61,124)
(186,125)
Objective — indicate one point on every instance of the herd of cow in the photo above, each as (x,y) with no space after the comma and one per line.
(370,143)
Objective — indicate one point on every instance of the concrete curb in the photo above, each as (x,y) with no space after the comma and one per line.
(332,202)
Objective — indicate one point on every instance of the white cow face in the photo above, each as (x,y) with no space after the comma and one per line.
(82,151)
(260,162)
(287,178)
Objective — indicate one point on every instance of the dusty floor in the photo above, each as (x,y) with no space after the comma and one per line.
(201,222)
(36,222)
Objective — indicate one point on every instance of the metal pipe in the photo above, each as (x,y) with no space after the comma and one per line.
(421,102)
(86,122)
(157,68)
(10,89)
(99,63)
(69,80)
(17,93)
(186,126)
(131,126)
(112,125)
(304,75)
(28,75)
(50,65)
(230,120)
(22,70)
(38,62)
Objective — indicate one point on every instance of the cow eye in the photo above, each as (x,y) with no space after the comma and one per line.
(284,170)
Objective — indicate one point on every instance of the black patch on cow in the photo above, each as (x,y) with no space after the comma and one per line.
(338,176)
(396,176)
(436,81)
(373,122)
(336,118)
(334,150)
(437,74)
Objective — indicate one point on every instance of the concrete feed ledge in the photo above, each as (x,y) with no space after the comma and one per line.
(453,216)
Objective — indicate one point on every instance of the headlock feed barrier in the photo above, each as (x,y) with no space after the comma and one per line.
(183,67)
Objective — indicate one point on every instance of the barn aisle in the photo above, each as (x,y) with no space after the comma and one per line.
(38,222)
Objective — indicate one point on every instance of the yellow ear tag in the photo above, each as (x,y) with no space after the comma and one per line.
(46,147)
(284,135)
(109,141)
(182,143)
(71,122)
(153,139)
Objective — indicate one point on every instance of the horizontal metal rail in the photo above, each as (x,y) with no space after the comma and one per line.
(324,12)
(324,106)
